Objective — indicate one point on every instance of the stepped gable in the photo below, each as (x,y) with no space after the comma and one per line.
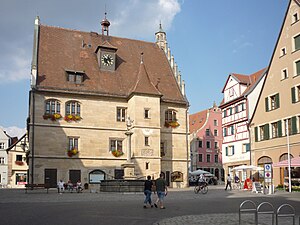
(62,49)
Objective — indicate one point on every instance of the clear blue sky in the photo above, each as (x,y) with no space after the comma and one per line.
(209,40)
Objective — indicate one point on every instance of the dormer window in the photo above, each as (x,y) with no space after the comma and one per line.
(76,77)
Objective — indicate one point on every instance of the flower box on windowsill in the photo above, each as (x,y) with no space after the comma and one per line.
(117,153)
(172,124)
(19,163)
(70,118)
(72,152)
(53,117)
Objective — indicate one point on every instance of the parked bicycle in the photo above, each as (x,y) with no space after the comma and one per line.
(203,188)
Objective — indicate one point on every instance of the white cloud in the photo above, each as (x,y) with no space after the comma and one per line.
(140,19)
(14,131)
(15,66)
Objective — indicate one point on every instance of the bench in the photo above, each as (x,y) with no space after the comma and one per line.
(36,186)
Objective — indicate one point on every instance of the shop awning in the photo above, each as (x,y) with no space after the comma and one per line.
(295,162)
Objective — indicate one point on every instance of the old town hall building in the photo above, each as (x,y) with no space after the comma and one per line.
(105,107)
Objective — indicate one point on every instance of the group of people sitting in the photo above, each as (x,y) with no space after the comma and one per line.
(69,186)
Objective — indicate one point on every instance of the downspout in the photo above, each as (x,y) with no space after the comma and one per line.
(187,143)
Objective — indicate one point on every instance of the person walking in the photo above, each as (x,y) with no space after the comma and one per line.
(148,191)
(229,179)
(162,191)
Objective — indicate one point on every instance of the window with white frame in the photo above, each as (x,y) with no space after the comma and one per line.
(215,132)
(283,51)
(116,145)
(284,74)
(295,18)
(200,143)
(224,132)
(288,126)
(216,145)
(73,108)
(231,130)
(73,143)
(216,158)
(208,156)
(295,94)
(170,115)
(52,106)
(2,145)
(297,68)
(121,114)
(208,144)
(229,150)
(200,158)
(274,128)
(272,102)
(246,148)
(215,122)
(297,42)
(2,160)
(207,132)
(261,132)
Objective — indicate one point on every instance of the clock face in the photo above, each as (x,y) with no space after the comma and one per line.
(107,60)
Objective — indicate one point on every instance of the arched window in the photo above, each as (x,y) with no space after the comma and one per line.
(73,108)
(52,106)
(170,115)
(96,176)
(285,157)
(264,160)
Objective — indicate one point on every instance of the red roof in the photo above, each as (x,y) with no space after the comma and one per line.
(63,49)
(197,120)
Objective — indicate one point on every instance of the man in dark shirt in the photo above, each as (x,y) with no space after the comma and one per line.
(161,189)
(148,191)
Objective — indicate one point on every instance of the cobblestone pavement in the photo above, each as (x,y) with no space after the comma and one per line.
(183,207)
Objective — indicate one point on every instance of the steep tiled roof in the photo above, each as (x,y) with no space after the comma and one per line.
(143,83)
(63,49)
(197,120)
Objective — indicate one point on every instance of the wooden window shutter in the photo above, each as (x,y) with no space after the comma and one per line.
(293,92)
(294,125)
(226,149)
(277,100)
(279,126)
(233,150)
(267,104)
(266,132)
(256,133)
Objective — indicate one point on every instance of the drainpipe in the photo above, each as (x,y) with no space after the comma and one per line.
(187,143)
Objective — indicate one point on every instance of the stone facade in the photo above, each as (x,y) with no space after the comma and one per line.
(96,140)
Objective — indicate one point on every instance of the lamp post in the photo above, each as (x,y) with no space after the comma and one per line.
(289,157)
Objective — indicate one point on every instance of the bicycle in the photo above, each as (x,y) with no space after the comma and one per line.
(203,188)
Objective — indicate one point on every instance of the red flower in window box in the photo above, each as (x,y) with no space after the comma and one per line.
(20,163)
(71,117)
(53,117)
(117,153)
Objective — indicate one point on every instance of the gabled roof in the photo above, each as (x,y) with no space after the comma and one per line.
(60,49)
(197,120)
(143,84)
